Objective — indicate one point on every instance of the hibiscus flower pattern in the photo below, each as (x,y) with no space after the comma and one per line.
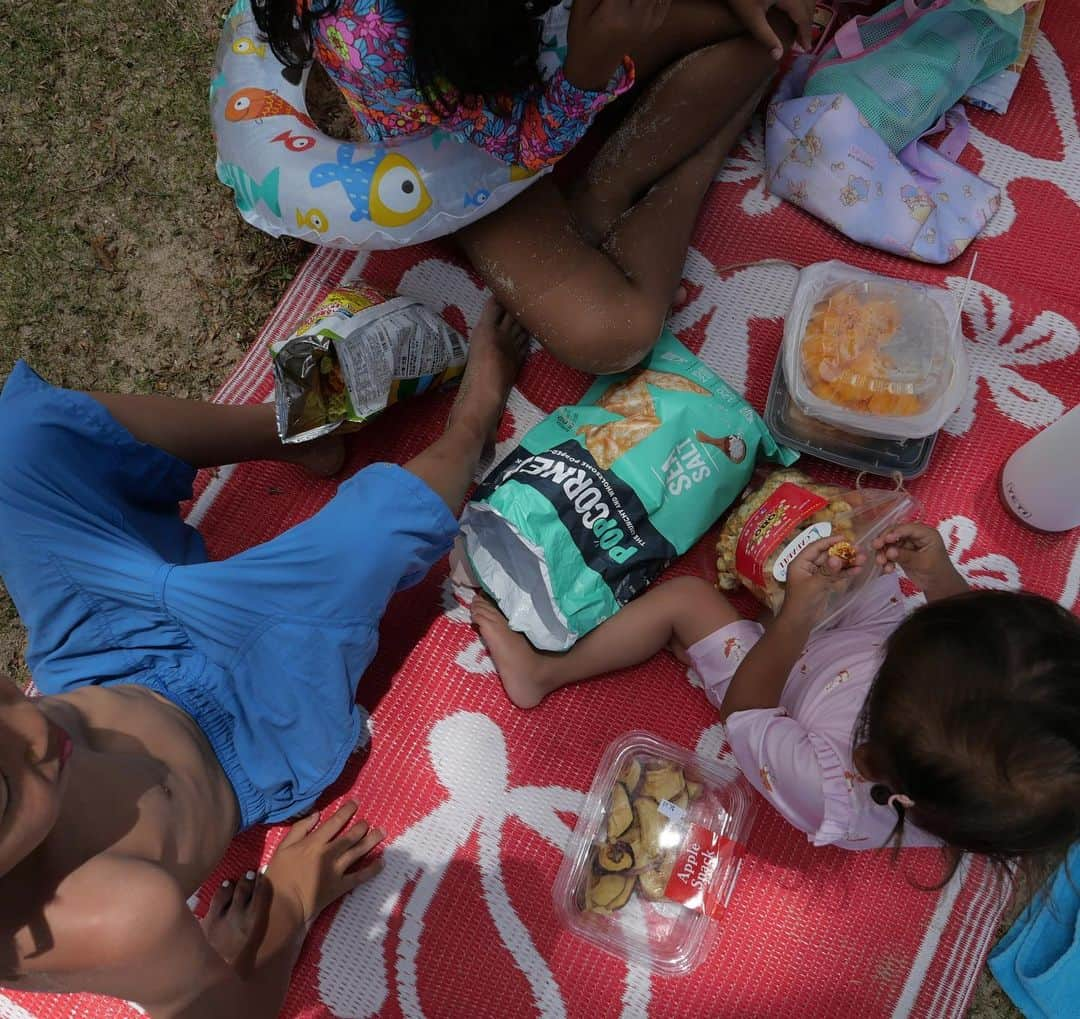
(991,570)
(1004,163)
(746,164)
(468,754)
(998,354)
(364,48)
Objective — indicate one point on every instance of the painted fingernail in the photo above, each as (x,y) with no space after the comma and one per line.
(225,884)
(250,875)
(264,868)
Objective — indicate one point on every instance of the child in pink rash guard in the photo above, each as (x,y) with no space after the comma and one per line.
(956,726)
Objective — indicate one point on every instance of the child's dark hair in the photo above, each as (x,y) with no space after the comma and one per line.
(459,47)
(975,716)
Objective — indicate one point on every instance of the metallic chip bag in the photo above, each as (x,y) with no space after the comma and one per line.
(360,351)
(601,496)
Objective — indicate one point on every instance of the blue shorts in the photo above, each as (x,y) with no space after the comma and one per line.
(263,650)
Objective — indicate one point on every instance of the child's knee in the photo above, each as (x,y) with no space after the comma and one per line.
(610,337)
(697,608)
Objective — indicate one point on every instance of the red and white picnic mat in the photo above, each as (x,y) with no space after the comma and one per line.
(478,798)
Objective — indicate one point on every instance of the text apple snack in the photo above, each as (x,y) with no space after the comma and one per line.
(656,853)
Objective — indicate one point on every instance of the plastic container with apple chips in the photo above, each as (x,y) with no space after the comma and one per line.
(656,853)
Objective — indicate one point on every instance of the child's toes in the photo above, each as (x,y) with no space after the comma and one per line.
(244,888)
(482,609)
(221,900)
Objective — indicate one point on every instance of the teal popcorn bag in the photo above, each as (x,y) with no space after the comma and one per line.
(601,496)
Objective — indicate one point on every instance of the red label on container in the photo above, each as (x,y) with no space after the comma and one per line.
(691,883)
(770,524)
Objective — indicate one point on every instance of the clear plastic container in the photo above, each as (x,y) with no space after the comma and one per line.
(774,522)
(791,427)
(872,354)
(656,853)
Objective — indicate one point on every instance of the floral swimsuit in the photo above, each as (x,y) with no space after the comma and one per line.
(364,47)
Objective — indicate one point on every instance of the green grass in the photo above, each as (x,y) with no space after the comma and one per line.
(123,263)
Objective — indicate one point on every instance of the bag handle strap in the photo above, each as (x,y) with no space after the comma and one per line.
(959,127)
(848,38)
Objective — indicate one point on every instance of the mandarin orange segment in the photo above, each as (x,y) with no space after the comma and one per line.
(843,357)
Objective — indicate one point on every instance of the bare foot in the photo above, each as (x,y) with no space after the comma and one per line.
(497,349)
(322,457)
(236,917)
(522,669)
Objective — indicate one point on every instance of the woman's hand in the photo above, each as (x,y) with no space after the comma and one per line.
(313,865)
(752,14)
(813,577)
(602,32)
(918,548)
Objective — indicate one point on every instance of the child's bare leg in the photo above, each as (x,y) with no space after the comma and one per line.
(648,240)
(712,90)
(211,434)
(689,25)
(497,348)
(601,311)
(678,613)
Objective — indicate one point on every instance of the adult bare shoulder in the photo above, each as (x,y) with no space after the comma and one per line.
(121,927)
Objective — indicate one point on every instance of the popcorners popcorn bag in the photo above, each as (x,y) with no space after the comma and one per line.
(601,496)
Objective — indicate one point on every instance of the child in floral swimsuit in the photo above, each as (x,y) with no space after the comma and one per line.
(365,48)
(590,271)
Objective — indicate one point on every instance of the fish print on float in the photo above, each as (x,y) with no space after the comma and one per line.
(386,188)
(314,218)
(246,46)
(248,191)
(294,142)
(257,103)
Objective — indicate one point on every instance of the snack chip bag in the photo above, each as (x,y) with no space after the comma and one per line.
(601,496)
(360,351)
(764,534)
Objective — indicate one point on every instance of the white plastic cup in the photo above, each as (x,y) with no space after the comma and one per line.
(1041,480)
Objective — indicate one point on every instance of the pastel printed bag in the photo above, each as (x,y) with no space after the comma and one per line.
(822,154)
